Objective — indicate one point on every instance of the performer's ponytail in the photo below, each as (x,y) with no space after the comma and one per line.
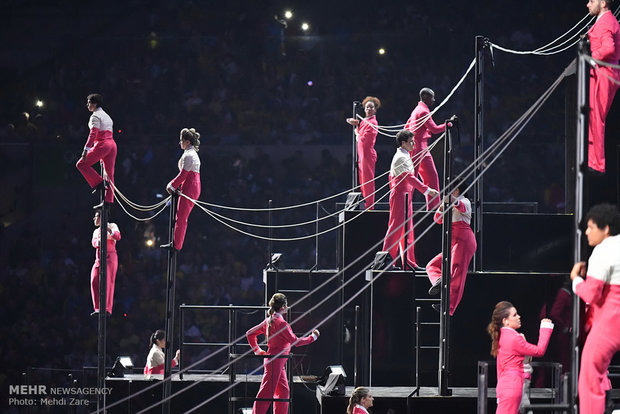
(501,311)
(158,335)
(356,397)
(277,302)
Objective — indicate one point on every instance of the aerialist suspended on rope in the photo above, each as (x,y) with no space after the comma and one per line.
(605,46)
(187,181)
(366,136)
(100,146)
(423,127)
(402,182)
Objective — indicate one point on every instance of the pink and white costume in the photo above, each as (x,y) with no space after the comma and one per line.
(601,289)
(188,181)
(463,249)
(402,182)
(367,157)
(114,235)
(358,409)
(421,134)
(155,361)
(605,45)
(274,384)
(512,349)
(100,146)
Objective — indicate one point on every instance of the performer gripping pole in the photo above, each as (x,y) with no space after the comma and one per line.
(605,46)
(422,125)
(366,135)
(112,236)
(402,182)
(100,146)
(187,181)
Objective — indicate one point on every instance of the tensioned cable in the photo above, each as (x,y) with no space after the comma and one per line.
(546,50)
(138,218)
(136,206)
(422,120)
(531,111)
(417,157)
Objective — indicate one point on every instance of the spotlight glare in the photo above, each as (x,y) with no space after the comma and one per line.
(382,51)
(288,14)
(38,103)
(150,242)
(305,26)
(309,83)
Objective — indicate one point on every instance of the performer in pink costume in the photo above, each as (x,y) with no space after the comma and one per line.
(463,249)
(366,133)
(510,348)
(187,182)
(100,146)
(360,401)
(605,46)
(423,126)
(113,235)
(156,357)
(280,338)
(402,182)
(601,289)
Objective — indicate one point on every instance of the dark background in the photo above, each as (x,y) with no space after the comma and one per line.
(266,134)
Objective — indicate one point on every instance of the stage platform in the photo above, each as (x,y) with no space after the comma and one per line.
(307,397)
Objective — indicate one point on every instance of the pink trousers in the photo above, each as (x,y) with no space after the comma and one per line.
(192,190)
(367,157)
(273,385)
(111,267)
(428,173)
(104,150)
(463,249)
(602,92)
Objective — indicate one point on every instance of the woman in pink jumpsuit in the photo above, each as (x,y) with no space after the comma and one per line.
(113,235)
(187,182)
(463,249)
(100,146)
(601,289)
(360,401)
(510,348)
(280,338)
(366,135)
(402,182)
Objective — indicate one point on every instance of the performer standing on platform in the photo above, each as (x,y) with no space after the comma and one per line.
(423,126)
(280,338)
(605,46)
(100,146)
(510,348)
(360,401)
(402,182)
(113,235)
(187,181)
(156,358)
(601,289)
(366,135)
(463,249)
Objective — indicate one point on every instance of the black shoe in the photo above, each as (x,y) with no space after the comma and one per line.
(434,290)
(169,246)
(95,313)
(436,306)
(419,269)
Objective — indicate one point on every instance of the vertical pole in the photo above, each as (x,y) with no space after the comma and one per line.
(483,369)
(316,240)
(481,43)
(406,229)
(446,270)
(417,349)
(181,338)
(580,166)
(355,347)
(231,350)
(103,308)
(354,181)
(172,268)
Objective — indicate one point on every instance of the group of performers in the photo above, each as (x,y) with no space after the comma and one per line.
(101,147)
(412,168)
